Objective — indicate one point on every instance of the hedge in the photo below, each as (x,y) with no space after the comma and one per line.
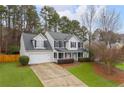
(65,61)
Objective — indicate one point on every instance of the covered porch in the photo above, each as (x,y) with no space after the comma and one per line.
(67,55)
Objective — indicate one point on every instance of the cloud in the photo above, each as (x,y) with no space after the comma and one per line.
(64,7)
(79,11)
(75,14)
(99,10)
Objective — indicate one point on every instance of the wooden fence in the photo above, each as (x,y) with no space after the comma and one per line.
(8,58)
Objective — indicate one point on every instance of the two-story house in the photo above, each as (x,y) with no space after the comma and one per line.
(51,46)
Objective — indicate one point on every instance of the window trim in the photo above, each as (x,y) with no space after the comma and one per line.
(58,44)
(80,45)
(62,55)
(55,55)
(73,44)
(36,44)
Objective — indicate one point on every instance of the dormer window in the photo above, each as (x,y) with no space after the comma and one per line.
(59,44)
(73,44)
(79,45)
(39,42)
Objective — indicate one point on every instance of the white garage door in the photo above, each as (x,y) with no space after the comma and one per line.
(41,58)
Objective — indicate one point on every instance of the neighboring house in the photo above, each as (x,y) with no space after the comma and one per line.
(118,44)
(122,39)
(51,47)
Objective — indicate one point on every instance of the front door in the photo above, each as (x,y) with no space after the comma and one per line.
(74,55)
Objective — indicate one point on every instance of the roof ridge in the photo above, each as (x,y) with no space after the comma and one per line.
(29,33)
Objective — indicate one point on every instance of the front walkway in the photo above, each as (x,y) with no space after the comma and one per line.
(53,75)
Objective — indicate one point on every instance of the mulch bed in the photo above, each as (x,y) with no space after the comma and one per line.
(116,75)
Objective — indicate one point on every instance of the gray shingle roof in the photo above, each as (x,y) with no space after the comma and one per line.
(27,37)
(60,36)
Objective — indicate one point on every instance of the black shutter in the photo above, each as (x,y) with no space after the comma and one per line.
(55,43)
(71,44)
(64,44)
(35,42)
(75,44)
(79,44)
(45,43)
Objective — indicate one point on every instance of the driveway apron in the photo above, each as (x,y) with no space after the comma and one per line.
(53,75)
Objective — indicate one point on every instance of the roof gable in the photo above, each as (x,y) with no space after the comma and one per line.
(75,37)
(39,37)
(27,39)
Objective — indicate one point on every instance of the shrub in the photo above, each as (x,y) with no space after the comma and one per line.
(65,61)
(84,60)
(13,49)
(24,60)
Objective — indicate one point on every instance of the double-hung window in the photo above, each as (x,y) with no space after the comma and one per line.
(56,44)
(55,55)
(59,44)
(73,44)
(79,45)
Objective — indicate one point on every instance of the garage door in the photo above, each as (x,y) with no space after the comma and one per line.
(40,58)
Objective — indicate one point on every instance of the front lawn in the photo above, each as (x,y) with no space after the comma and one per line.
(13,75)
(120,66)
(85,73)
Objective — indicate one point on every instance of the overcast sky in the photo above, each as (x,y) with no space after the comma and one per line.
(75,12)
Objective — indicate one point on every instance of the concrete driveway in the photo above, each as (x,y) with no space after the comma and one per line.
(53,75)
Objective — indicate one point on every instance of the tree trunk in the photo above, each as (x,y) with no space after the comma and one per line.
(1,35)
(90,43)
(6,45)
(109,68)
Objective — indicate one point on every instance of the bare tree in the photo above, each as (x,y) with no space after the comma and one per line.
(88,19)
(2,19)
(109,22)
(106,55)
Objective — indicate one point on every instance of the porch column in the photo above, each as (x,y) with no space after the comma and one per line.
(57,55)
(71,55)
(64,55)
(77,56)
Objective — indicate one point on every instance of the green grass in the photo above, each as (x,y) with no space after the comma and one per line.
(13,75)
(120,66)
(85,73)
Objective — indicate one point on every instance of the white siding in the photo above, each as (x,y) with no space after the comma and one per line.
(39,37)
(39,41)
(73,39)
(36,56)
(50,39)
(22,47)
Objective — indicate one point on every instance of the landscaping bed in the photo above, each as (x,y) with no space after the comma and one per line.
(14,75)
(116,75)
(85,72)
